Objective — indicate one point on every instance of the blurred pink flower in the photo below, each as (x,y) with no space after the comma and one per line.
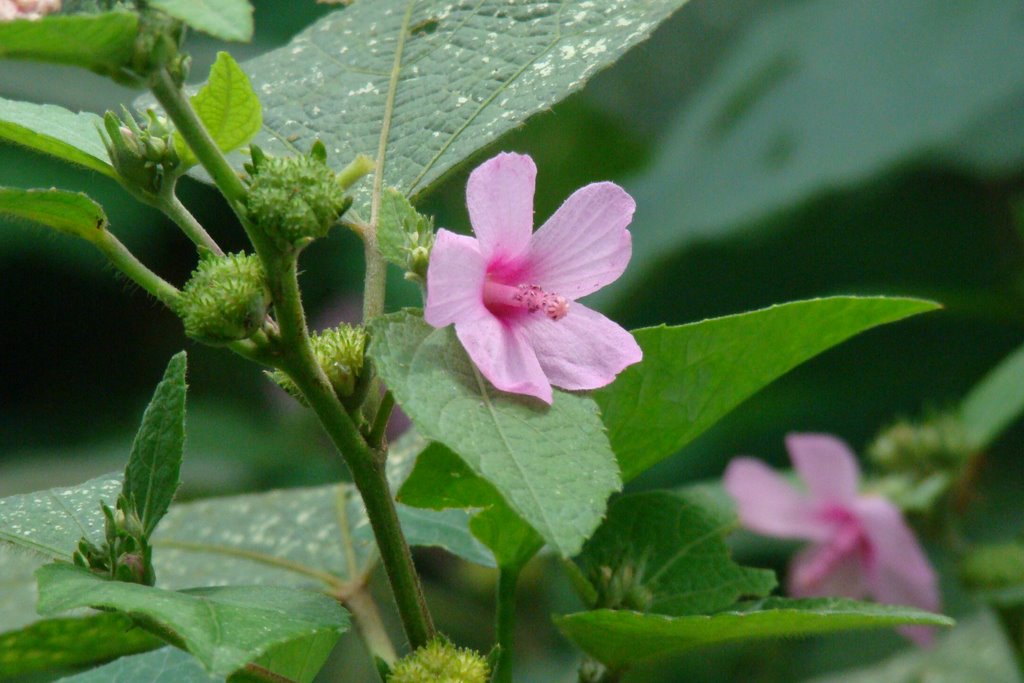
(860,544)
(511,292)
(27,9)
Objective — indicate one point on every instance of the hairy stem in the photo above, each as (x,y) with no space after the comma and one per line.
(176,211)
(380,420)
(137,272)
(505,623)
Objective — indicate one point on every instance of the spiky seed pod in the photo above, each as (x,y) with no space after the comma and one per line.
(225,300)
(340,352)
(439,661)
(294,200)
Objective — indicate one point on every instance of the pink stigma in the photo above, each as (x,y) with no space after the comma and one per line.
(531,298)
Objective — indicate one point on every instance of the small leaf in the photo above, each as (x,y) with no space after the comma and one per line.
(69,642)
(618,638)
(72,213)
(151,477)
(995,402)
(224,19)
(56,131)
(227,106)
(441,480)
(667,552)
(225,628)
(397,216)
(533,454)
(300,660)
(50,523)
(166,665)
(693,375)
(103,43)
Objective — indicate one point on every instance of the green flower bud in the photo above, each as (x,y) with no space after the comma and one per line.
(294,200)
(922,448)
(339,351)
(142,156)
(225,300)
(441,662)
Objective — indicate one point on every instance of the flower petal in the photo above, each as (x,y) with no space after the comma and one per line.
(584,245)
(827,466)
(504,357)
(583,350)
(499,197)
(770,505)
(899,571)
(455,281)
(822,570)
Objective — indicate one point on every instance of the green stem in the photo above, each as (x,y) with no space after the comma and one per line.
(380,420)
(365,463)
(176,211)
(505,623)
(370,626)
(125,261)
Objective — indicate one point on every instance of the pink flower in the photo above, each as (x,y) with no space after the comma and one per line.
(27,9)
(860,544)
(511,292)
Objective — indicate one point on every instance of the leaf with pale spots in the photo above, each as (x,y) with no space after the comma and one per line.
(665,553)
(531,453)
(442,79)
(225,628)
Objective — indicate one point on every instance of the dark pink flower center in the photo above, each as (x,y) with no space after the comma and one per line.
(501,299)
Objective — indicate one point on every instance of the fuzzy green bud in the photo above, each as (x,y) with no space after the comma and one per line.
(157,45)
(140,153)
(441,662)
(225,300)
(938,444)
(294,200)
(340,352)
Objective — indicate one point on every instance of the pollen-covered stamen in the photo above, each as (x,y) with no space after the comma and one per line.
(527,297)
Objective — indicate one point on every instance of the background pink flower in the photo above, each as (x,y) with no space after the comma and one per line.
(860,544)
(511,293)
(27,9)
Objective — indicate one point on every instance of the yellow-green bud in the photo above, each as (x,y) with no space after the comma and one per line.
(339,351)
(142,156)
(441,662)
(225,300)
(294,200)
(921,448)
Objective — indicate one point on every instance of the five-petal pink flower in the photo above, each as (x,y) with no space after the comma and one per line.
(27,9)
(511,292)
(860,544)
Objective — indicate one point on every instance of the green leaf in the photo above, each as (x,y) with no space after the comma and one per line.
(995,402)
(300,660)
(665,553)
(225,628)
(166,665)
(100,42)
(69,642)
(693,375)
(533,454)
(975,650)
(72,213)
(56,131)
(437,80)
(151,477)
(224,19)
(761,136)
(620,638)
(441,480)
(227,106)
(305,538)
(50,523)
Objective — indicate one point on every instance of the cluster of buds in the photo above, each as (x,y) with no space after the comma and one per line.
(143,155)
(226,299)
(126,554)
(439,661)
(621,587)
(340,353)
(157,45)
(294,200)
(419,241)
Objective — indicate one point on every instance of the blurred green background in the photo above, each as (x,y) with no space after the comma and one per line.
(778,150)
